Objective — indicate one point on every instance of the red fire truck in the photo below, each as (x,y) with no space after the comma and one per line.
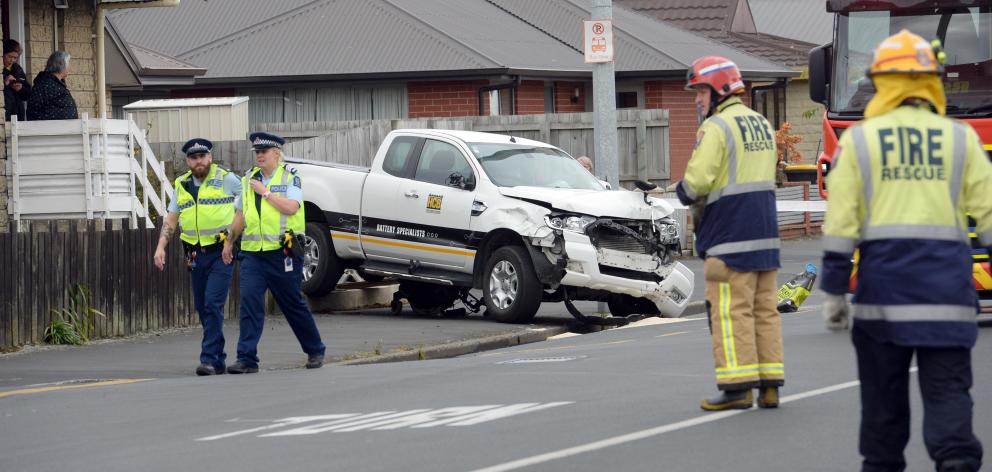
(837,73)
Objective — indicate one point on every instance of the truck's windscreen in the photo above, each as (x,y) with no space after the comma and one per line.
(967,37)
(513,165)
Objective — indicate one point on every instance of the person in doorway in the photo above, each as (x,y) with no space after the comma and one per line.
(204,208)
(585,162)
(50,98)
(902,183)
(270,214)
(731,176)
(16,88)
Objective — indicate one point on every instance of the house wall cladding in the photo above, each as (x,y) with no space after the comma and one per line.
(564,93)
(811,129)
(530,98)
(445,98)
(75,36)
(682,124)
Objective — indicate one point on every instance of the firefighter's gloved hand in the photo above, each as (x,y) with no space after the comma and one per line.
(836,312)
(672,187)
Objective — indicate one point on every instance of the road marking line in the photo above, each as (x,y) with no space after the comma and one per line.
(650,432)
(671,334)
(390,420)
(29,391)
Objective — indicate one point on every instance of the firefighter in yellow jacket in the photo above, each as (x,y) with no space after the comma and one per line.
(902,183)
(731,177)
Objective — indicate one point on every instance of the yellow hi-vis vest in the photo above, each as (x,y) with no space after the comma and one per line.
(203,218)
(264,229)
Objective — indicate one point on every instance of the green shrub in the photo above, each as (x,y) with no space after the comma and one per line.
(76,323)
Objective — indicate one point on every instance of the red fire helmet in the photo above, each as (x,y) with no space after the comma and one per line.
(720,73)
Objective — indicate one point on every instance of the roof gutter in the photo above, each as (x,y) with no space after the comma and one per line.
(489,88)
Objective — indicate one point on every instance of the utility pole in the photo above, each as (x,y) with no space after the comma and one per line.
(604,107)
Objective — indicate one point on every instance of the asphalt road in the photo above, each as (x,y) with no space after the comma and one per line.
(624,399)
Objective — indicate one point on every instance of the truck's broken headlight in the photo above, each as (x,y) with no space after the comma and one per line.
(668,230)
(574,223)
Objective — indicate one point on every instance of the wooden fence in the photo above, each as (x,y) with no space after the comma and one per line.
(642,137)
(115,265)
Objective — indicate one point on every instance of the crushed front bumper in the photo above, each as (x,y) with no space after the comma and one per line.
(638,275)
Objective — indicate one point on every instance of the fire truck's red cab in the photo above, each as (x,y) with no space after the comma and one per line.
(837,73)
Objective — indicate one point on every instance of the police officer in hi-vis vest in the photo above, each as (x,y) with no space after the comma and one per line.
(901,184)
(269,212)
(731,175)
(204,208)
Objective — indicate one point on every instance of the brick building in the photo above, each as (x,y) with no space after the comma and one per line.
(393,59)
(780,31)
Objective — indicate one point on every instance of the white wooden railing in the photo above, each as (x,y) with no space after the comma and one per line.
(84,169)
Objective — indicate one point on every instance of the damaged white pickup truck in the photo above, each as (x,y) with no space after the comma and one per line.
(448,211)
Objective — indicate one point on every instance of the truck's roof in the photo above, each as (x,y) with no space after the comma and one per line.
(475,136)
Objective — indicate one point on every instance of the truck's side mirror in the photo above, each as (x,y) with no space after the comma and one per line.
(819,73)
(458,180)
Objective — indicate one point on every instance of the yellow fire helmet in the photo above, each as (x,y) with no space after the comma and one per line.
(906,66)
(907,53)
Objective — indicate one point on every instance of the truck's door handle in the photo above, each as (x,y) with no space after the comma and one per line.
(411,194)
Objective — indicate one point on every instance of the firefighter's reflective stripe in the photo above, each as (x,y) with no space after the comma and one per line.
(771,369)
(898,313)
(839,245)
(727,327)
(744,246)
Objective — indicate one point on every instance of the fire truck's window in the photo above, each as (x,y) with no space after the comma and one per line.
(967,38)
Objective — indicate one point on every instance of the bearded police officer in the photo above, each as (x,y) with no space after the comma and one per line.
(270,213)
(902,183)
(730,183)
(204,208)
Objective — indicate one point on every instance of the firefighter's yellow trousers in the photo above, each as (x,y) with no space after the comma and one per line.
(745,325)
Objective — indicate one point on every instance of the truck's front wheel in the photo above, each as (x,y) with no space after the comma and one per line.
(511,290)
(321,266)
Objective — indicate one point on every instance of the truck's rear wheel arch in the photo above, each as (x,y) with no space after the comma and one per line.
(314,213)
(492,241)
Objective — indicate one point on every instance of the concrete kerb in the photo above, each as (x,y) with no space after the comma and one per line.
(694,308)
(460,348)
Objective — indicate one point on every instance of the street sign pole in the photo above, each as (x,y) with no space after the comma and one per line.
(604,99)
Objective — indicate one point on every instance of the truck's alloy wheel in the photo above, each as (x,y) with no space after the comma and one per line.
(510,289)
(321,266)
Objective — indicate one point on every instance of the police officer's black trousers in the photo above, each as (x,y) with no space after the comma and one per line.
(945,378)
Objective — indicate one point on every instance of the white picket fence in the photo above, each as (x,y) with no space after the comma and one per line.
(83,169)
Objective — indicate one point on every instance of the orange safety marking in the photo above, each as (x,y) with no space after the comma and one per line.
(982,275)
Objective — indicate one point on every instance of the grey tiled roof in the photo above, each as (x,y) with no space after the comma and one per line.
(251,40)
(801,20)
(714,18)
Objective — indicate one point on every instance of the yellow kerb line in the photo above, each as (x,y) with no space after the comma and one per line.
(106,383)
(671,334)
